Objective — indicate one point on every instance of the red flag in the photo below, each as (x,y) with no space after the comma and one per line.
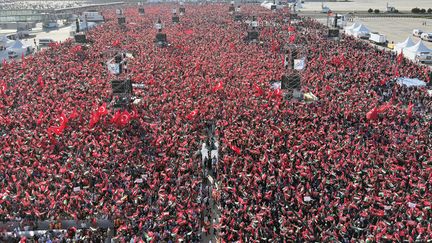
(2,88)
(292,38)
(372,114)
(74,114)
(40,81)
(94,119)
(258,90)
(409,110)
(291,28)
(189,32)
(116,117)
(39,120)
(102,111)
(56,130)
(384,107)
(134,114)
(63,121)
(116,43)
(235,149)
(192,114)
(278,93)
(22,57)
(400,57)
(124,118)
(219,86)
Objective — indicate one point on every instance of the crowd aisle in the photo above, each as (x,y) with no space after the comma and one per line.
(287,170)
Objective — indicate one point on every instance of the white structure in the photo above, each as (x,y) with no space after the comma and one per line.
(407,43)
(349,30)
(20,48)
(419,52)
(361,32)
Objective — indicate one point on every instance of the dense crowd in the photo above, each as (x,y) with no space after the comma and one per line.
(288,170)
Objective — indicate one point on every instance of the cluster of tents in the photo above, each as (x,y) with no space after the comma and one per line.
(357,30)
(13,48)
(413,51)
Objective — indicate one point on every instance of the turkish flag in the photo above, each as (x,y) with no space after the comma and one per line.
(116,117)
(258,90)
(74,114)
(94,119)
(292,38)
(219,86)
(400,57)
(124,118)
(39,120)
(235,149)
(102,111)
(2,88)
(189,32)
(63,120)
(40,81)
(116,43)
(409,110)
(192,114)
(372,114)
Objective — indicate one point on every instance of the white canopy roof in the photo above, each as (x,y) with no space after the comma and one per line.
(410,82)
(407,43)
(355,25)
(361,28)
(17,45)
(419,47)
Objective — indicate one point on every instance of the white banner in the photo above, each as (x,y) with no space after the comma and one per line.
(299,64)
(114,68)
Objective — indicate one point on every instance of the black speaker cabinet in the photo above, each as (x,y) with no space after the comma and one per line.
(121,20)
(161,38)
(231,9)
(121,86)
(182,10)
(141,11)
(80,38)
(291,81)
(333,33)
(176,19)
(273,7)
(252,35)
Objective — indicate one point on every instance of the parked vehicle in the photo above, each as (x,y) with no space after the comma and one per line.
(426,36)
(417,32)
(45,41)
(424,57)
(378,38)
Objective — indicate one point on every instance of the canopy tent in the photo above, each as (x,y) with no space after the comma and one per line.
(20,48)
(349,30)
(16,45)
(4,41)
(360,31)
(417,49)
(407,43)
(410,82)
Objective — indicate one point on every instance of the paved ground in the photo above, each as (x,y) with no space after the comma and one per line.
(395,29)
(364,5)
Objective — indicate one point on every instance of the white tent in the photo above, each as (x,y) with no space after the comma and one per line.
(4,41)
(349,30)
(407,43)
(416,50)
(16,45)
(361,31)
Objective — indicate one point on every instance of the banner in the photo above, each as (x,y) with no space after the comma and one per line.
(299,64)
